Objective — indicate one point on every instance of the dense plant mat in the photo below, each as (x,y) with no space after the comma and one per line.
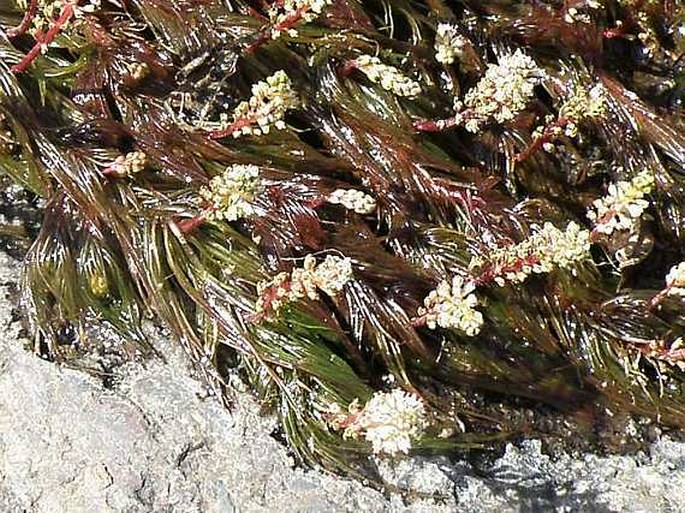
(377,211)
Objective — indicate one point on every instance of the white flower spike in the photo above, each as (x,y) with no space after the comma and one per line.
(231,194)
(388,77)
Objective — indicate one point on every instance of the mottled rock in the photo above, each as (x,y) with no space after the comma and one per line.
(156,442)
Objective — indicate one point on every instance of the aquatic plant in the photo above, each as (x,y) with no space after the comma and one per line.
(377,212)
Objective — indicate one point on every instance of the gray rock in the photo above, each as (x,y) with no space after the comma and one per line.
(157,443)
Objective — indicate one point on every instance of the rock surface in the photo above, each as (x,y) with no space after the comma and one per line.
(156,443)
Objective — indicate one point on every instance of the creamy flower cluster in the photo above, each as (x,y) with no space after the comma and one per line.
(330,276)
(548,248)
(581,105)
(453,306)
(285,13)
(129,164)
(353,199)
(502,93)
(138,70)
(623,206)
(388,77)
(573,15)
(232,193)
(449,43)
(675,280)
(389,420)
(270,100)
(49,10)
(8,143)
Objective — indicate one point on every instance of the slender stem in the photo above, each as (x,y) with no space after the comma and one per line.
(112,170)
(231,129)
(25,22)
(64,17)
(418,322)
(547,135)
(188,225)
(595,234)
(430,125)
(658,298)
(287,23)
(618,31)
(348,67)
(495,271)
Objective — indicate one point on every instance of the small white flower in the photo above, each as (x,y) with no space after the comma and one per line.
(284,14)
(88,7)
(388,77)
(231,194)
(353,199)
(582,105)
(574,16)
(502,93)
(560,249)
(330,276)
(623,206)
(453,306)
(138,70)
(266,108)
(546,249)
(675,280)
(129,164)
(449,43)
(391,420)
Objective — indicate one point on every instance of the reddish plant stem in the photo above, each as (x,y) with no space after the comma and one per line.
(351,419)
(64,17)
(438,125)
(418,322)
(189,225)
(486,277)
(347,68)
(494,271)
(430,125)
(317,202)
(616,32)
(289,22)
(654,302)
(231,129)
(25,22)
(653,350)
(546,136)
(110,171)
(595,234)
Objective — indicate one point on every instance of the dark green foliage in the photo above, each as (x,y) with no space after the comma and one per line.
(113,248)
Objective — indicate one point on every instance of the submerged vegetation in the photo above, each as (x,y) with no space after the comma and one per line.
(374,210)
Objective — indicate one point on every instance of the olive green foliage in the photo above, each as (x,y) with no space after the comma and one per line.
(114,247)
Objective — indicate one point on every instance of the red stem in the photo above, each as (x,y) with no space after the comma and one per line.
(595,235)
(64,17)
(316,202)
(231,129)
(25,22)
(487,276)
(430,125)
(546,136)
(348,68)
(111,171)
(290,21)
(616,32)
(188,225)
(418,322)
(492,272)
(658,298)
